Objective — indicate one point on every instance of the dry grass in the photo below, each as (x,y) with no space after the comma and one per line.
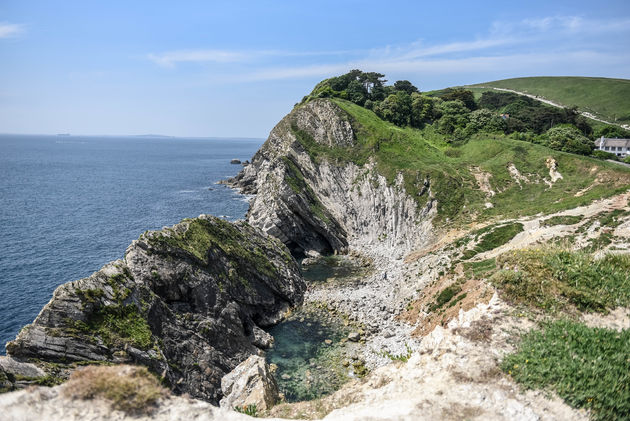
(127,388)
(430,313)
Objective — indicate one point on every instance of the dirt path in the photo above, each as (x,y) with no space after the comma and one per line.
(534,231)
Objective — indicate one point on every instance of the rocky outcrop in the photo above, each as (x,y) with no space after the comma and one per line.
(251,383)
(317,204)
(188,302)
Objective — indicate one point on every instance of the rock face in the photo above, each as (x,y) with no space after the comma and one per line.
(315,205)
(250,383)
(187,302)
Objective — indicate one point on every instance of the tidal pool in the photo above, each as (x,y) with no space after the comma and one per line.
(311,353)
(333,267)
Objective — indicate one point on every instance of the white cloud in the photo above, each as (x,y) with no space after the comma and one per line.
(172,58)
(528,46)
(9,30)
(169,59)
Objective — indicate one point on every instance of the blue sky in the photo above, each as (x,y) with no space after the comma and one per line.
(234,68)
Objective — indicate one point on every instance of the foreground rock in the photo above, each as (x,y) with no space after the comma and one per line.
(454,376)
(187,302)
(251,383)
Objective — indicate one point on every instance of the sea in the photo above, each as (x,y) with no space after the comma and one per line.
(70,204)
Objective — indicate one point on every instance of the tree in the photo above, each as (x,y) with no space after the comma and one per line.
(454,116)
(422,110)
(485,120)
(568,138)
(463,95)
(357,92)
(396,108)
(612,131)
(405,86)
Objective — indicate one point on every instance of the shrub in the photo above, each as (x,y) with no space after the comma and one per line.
(561,220)
(587,367)
(604,155)
(567,138)
(127,388)
(553,278)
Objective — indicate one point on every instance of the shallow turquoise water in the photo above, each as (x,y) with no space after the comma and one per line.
(308,366)
(332,267)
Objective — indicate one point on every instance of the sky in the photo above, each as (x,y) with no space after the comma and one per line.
(235,68)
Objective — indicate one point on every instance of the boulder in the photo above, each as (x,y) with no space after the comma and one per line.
(235,161)
(250,383)
(354,336)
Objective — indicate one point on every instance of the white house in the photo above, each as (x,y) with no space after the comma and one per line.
(620,147)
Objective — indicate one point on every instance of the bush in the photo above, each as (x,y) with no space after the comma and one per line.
(587,367)
(604,155)
(553,279)
(127,388)
(567,138)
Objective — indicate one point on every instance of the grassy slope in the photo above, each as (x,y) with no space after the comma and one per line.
(418,153)
(606,98)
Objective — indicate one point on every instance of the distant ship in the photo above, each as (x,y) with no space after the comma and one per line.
(63,134)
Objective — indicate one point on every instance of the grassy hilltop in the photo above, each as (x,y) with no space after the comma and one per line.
(605,98)
(454,141)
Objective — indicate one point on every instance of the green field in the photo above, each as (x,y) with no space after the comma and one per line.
(605,98)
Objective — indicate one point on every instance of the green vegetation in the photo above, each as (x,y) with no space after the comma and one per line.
(205,236)
(587,367)
(606,98)
(554,279)
(398,357)
(561,220)
(425,154)
(120,324)
(493,237)
(130,389)
(250,410)
(444,297)
(430,152)
(613,218)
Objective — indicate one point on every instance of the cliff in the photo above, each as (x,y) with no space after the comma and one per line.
(315,202)
(188,302)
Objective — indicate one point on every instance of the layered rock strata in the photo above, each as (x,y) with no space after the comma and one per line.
(315,203)
(188,302)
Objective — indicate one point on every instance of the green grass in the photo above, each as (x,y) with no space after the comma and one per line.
(561,220)
(587,367)
(444,297)
(204,237)
(493,237)
(250,410)
(121,324)
(554,279)
(606,98)
(419,154)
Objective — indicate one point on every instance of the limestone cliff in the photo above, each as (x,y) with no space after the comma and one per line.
(318,203)
(187,301)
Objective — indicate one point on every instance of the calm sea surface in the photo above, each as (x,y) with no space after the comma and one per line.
(68,205)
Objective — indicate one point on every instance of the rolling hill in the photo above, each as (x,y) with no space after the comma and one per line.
(608,99)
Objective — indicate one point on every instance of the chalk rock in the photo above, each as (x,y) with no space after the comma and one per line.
(250,383)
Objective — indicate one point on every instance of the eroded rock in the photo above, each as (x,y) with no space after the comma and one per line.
(250,383)
(187,302)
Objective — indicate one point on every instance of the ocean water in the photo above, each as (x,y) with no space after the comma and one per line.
(69,204)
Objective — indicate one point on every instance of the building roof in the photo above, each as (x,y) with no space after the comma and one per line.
(604,141)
